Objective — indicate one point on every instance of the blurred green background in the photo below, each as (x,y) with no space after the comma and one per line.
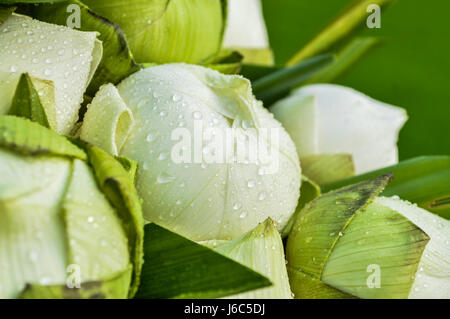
(410,68)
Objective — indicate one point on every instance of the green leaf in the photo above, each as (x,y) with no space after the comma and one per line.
(349,55)
(118,186)
(117,62)
(341,27)
(415,62)
(327,168)
(179,268)
(15,135)
(277,85)
(114,288)
(423,180)
(26,102)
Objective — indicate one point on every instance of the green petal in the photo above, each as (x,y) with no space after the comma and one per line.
(327,168)
(26,137)
(96,240)
(118,186)
(26,102)
(376,237)
(328,214)
(115,287)
(165,31)
(262,250)
(32,238)
(343,236)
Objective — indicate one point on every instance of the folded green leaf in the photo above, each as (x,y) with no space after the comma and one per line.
(422,180)
(179,268)
(26,102)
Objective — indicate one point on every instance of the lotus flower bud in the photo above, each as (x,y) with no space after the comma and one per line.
(62,226)
(213,163)
(330,119)
(349,243)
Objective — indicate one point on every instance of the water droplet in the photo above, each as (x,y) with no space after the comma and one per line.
(251,183)
(13,68)
(237,206)
(90,219)
(262,196)
(176,98)
(47,72)
(164,178)
(163,156)
(243,215)
(151,138)
(197,115)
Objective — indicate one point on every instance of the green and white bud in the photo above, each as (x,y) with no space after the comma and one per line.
(60,61)
(349,243)
(69,216)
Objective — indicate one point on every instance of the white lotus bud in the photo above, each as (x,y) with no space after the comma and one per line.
(195,177)
(332,119)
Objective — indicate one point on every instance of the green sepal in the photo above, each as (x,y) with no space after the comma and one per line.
(117,62)
(327,168)
(130,166)
(26,137)
(118,186)
(5,12)
(176,267)
(115,287)
(26,102)
(313,288)
(226,62)
(308,191)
